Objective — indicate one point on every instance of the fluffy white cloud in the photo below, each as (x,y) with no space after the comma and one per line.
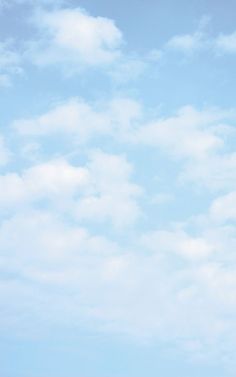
(216,172)
(178,242)
(133,291)
(73,36)
(197,137)
(224,208)
(82,120)
(113,197)
(79,244)
(99,191)
(54,180)
(189,134)
(74,116)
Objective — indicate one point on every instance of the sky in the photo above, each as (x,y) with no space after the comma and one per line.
(117,188)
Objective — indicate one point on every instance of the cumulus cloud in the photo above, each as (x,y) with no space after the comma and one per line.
(53,180)
(216,172)
(73,116)
(133,291)
(113,197)
(99,191)
(179,242)
(80,238)
(197,137)
(191,133)
(73,36)
(82,120)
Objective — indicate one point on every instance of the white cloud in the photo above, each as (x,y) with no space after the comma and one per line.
(216,172)
(197,137)
(113,197)
(189,134)
(72,36)
(97,192)
(191,42)
(224,208)
(55,270)
(55,180)
(200,40)
(74,116)
(80,119)
(178,242)
(226,42)
(133,290)
(52,241)
(187,42)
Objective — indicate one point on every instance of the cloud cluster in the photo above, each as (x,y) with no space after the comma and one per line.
(130,287)
(195,138)
(133,291)
(79,237)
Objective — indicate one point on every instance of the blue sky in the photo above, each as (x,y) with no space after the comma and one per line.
(117,188)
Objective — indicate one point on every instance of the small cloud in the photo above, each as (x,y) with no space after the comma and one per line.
(191,42)
(186,42)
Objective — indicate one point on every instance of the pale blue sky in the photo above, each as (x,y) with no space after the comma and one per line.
(117,188)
